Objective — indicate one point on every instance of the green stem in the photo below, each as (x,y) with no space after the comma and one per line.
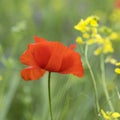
(104,83)
(93,81)
(49,96)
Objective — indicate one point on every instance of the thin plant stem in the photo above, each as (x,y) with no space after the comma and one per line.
(49,96)
(93,81)
(104,83)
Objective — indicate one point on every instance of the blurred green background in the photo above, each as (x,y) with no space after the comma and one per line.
(72,97)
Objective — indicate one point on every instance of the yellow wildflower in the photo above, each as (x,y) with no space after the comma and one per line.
(91,41)
(100,41)
(84,25)
(117,70)
(107,46)
(113,36)
(105,115)
(94,32)
(81,26)
(79,40)
(115,115)
(111,60)
(86,35)
(101,36)
(118,64)
(98,51)
(92,21)
(114,62)
(110,115)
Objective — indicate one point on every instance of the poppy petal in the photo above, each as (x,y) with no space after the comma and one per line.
(72,46)
(72,64)
(37,39)
(32,73)
(27,57)
(50,56)
(57,53)
(41,53)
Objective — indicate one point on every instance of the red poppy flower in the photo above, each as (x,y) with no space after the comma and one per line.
(43,56)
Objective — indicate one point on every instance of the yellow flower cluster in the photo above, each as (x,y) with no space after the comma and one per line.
(117,70)
(93,34)
(114,62)
(84,25)
(110,115)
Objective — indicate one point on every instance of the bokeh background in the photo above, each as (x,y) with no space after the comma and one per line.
(72,97)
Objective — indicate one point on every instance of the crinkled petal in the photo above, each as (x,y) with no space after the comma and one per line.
(27,57)
(32,73)
(72,64)
(72,46)
(50,56)
(57,53)
(42,53)
(37,54)
(37,39)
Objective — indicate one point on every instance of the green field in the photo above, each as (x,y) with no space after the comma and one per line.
(73,98)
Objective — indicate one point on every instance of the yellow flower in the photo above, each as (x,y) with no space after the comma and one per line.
(117,70)
(115,115)
(111,60)
(107,46)
(101,36)
(110,115)
(79,40)
(104,45)
(114,62)
(98,51)
(113,36)
(84,25)
(92,21)
(91,41)
(81,26)
(105,115)
(94,32)
(100,41)
(86,35)
(118,64)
